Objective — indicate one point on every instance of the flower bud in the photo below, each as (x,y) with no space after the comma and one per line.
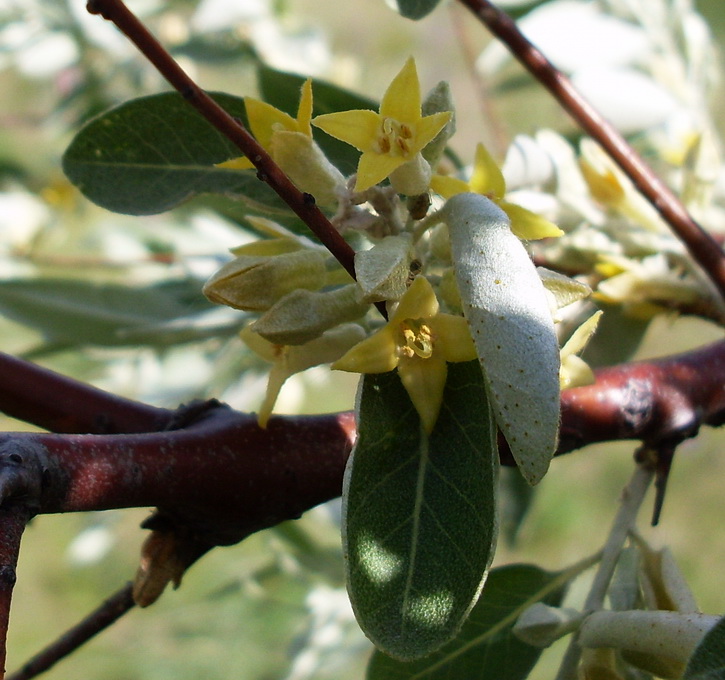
(303,315)
(439,99)
(382,272)
(307,166)
(412,178)
(255,283)
(540,625)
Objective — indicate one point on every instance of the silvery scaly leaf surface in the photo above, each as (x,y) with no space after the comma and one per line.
(507,309)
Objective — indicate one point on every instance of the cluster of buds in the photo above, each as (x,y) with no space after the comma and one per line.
(310,311)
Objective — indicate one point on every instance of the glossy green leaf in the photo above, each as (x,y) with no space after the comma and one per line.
(708,659)
(485,649)
(282,90)
(419,524)
(151,154)
(83,313)
(415,9)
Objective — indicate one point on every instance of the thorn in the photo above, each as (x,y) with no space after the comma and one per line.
(662,472)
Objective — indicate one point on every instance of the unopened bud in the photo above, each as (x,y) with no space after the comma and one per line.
(303,315)
(412,178)
(437,100)
(540,625)
(255,283)
(382,272)
(307,166)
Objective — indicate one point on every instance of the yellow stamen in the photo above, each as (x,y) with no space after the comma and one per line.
(418,339)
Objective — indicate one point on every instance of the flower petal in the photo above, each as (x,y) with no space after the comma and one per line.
(425,380)
(452,338)
(427,128)
(304,111)
(376,354)
(357,127)
(402,98)
(240,163)
(487,178)
(528,225)
(448,186)
(374,167)
(263,118)
(418,302)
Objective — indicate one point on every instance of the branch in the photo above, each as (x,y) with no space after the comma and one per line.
(196,471)
(701,246)
(267,170)
(31,393)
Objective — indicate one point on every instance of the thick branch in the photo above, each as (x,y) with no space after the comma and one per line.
(222,474)
(703,249)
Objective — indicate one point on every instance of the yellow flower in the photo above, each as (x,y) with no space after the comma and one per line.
(391,138)
(418,341)
(488,180)
(264,120)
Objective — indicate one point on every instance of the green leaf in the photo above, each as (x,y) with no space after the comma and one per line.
(708,660)
(151,154)
(83,313)
(486,649)
(419,526)
(415,9)
(282,90)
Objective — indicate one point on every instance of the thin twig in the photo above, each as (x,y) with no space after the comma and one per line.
(632,498)
(701,246)
(107,613)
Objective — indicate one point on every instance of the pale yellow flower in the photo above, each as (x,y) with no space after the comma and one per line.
(390,138)
(487,179)
(264,120)
(418,341)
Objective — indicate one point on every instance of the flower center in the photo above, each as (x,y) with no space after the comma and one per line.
(418,339)
(393,138)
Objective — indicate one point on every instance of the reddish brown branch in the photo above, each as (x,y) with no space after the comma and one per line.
(703,249)
(54,402)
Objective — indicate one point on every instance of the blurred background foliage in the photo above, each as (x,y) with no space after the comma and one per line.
(132,320)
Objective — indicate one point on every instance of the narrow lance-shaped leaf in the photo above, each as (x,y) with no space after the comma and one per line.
(419,524)
(506,306)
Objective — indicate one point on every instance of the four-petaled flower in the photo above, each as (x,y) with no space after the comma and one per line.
(488,180)
(418,341)
(390,138)
(265,120)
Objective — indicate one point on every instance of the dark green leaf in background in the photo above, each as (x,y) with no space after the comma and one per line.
(708,660)
(83,313)
(485,649)
(151,154)
(419,524)
(416,9)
